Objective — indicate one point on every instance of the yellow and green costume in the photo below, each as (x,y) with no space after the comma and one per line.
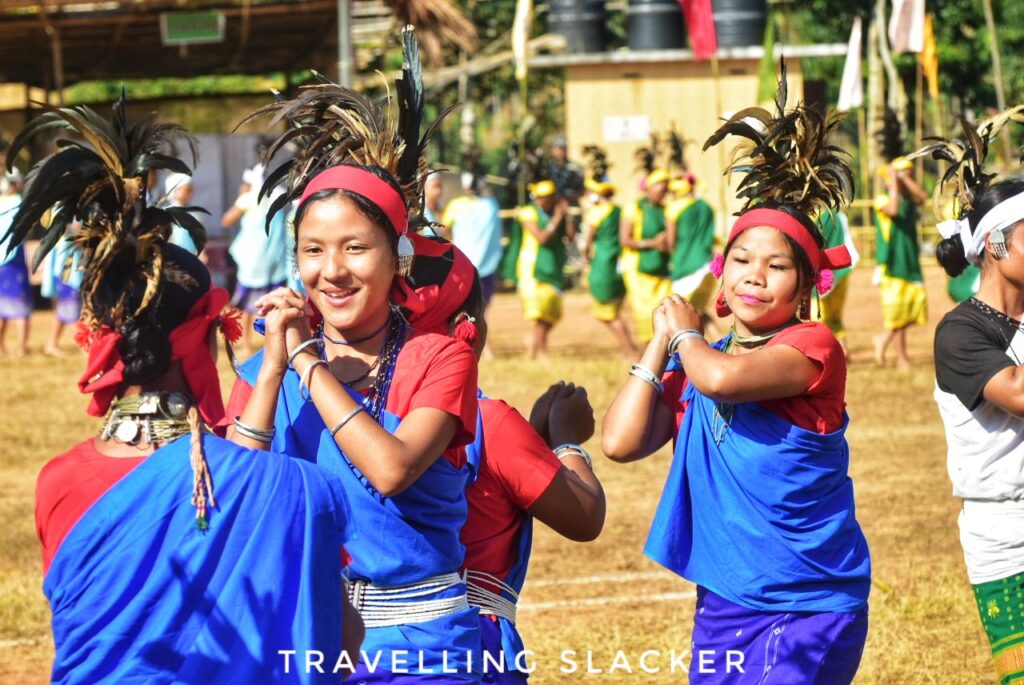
(832,303)
(539,268)
(1001,606)
(645,272)
(904,301)
(694,223)
(605,281)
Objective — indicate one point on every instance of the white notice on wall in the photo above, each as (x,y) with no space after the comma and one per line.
(629,128)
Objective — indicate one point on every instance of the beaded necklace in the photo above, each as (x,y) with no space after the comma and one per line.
(148,417)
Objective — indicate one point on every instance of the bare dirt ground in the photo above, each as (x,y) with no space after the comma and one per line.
(604,597)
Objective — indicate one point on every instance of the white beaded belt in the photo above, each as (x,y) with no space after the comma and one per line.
(395,605)
(489,601)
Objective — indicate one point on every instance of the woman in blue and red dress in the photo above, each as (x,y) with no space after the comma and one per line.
(524,469)
(758,509)
(152,574)
(386,407)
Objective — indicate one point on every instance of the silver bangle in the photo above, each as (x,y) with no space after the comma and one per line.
(680,336)
(300,348)
(573,448)
(348,417)
(256,434)
(647,376)
(307,377)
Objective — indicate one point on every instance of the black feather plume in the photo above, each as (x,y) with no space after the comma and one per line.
(786,158)
(101,183)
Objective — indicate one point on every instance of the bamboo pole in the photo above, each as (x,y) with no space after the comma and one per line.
(719,111)
(997,68)
(919,118)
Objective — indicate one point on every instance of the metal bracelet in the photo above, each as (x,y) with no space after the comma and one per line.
(348,417)
(301,347)
(573,448)
(679,337)
(647,376)
(307,377)
(254,433)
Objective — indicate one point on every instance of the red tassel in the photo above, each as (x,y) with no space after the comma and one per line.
(466,331)
(231,324)
(83,336)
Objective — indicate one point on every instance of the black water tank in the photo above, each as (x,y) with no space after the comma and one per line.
(656,25)
(739,23)
(582,22)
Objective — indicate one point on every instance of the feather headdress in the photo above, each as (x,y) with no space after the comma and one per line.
(676,152)
(100,181)
(890,135)
(786,157)
(966,157)
(338,125)
(597,162)
(647,157)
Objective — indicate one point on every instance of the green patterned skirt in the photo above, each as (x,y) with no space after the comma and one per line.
(1001,606)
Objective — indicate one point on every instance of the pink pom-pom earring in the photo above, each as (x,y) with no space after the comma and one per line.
(826,279)
(717,266)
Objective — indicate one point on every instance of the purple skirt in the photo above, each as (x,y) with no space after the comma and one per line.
(68,306)
(733,644)
(245,297)
(490,639)
(15,290)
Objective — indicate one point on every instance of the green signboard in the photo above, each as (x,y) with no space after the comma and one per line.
(190,28)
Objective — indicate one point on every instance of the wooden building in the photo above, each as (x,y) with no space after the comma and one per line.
(617,99)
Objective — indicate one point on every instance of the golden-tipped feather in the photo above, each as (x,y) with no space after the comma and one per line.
(786,158)
(333,125)
(966,157)
(100,183)
(597,162)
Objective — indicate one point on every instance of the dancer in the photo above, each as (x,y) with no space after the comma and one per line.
(169,554)
(758,509)
(602,252)
(386,407)
(540,266)
(518,477)
(978,353)
(645,252)
(835,229)
(15,289)
(691,238)
(901,283)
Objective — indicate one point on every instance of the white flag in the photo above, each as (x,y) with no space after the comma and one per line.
(521,36)
(906,26)
(851,90)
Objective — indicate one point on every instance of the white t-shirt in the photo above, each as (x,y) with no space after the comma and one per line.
(985,444)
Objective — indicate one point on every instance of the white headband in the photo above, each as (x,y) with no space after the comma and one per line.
(1003,215)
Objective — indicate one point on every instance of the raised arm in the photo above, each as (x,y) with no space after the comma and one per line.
(573,505)
(638,423)
(773,373)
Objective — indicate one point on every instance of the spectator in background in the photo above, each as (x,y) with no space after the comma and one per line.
(433,189)
(567,176)
(260,252)
(476,230)
(15,290)
(178,193)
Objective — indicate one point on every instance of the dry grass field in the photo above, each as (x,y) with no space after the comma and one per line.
(605,596)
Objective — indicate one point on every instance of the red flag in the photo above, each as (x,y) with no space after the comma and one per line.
(700,23)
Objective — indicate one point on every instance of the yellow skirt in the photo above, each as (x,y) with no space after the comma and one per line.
(606,311)
(541,301)
(645,293)
(903,303)
(831,309)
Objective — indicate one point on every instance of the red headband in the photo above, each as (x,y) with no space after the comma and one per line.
(364,184)
(432,305)
(105,371)
(832,258)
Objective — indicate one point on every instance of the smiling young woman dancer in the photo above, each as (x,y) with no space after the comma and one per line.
(523,471)
(152,575)
(758,509)
(979,349)
(386,407)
